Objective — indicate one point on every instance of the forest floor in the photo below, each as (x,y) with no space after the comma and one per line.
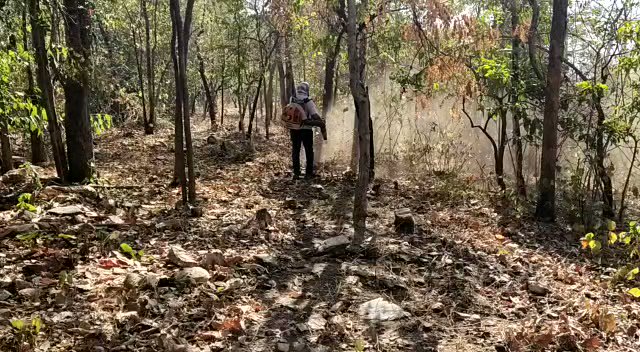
(474,276)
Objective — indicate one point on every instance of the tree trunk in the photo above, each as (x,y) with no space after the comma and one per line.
(288,75)
(327,96)
(545,209)
(601,156)
(149,122)
(183,50)
(222,82)
(76,91)
(626,181)
(207,90)
(502,144)
(38,151)
(268,101)
(533,39)
(357,63)
(516,110)
(46,89)
(254,105)
(179,176)
(329,76)
(139,69)
(282,82)
(5,144)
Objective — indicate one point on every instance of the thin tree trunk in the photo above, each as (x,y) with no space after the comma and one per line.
(179,176)
(516,110)
(254,105)
(357,63)
(138,54)
(282,82)
(46,89)
(533,39)
(151,120)
(183,44)
(268,101)
(5,144)
(546,206)
(329,76)
(601,155)
(207,90)
(38,151)
(623,197)
(76,92)
(502,144)
(222,82)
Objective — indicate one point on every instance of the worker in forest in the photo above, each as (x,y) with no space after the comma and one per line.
(300,116)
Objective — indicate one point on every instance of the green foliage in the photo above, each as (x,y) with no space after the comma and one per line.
(101,123)
(26,331)
(25,202)
(135,255)
(629,241)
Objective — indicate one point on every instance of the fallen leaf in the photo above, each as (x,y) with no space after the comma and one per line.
(592,344)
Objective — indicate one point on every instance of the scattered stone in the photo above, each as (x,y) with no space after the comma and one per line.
(437,307)
(283,346)
(128,317)
(266,259)
(212,140)
(4,295)
(15,176)
(536,289)
(150,281)
(471,317)
(404,222)
(132,281)
(109,205)
(233,284)
(337,320)
(337,307)
(171,225)
(30,293)
(298,346)
(318,268)
(381,310)
(333,244)
(290,203)
(18,229)
(195,275)
(22,284)
(181,258)
(316,322)
(215,257)
(68,210)
(196,212)
(84,190)
(263,218)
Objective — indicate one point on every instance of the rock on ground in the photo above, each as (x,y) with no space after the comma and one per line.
(193,275)
(381,310)
(333,244)
(181,258)
(404,222)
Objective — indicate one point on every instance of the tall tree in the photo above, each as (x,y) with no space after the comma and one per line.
(77,23)
(182,33)
(43,77)
(149,122)
(357,47)
(546,207)
(516,109)
(38,152)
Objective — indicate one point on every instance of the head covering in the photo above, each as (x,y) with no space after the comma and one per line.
(302,91)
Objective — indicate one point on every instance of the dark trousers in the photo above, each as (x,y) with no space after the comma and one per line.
(298,139)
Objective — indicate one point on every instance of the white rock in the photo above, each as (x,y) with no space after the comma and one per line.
(68,210)
(316,322)
(381,310)
(194,274)
(181,258)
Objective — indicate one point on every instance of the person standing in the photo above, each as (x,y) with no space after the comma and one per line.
(303,136)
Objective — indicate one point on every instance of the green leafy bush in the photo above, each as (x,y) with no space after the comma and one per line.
(629,241)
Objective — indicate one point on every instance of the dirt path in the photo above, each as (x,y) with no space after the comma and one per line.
(471,278)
